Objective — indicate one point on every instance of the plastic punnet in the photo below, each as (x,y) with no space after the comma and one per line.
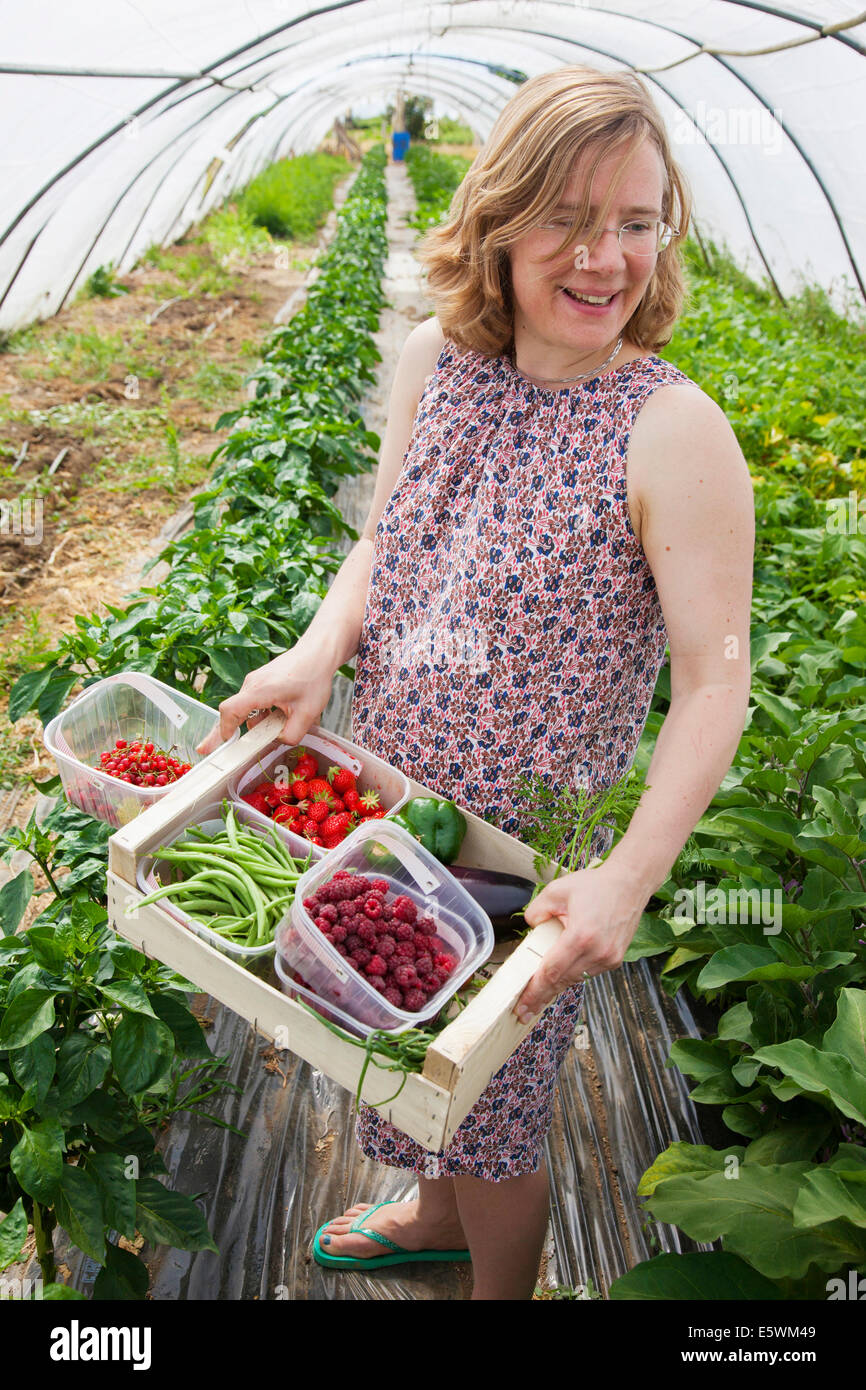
(277,763)
(380,849)
(210,819)
(128,705)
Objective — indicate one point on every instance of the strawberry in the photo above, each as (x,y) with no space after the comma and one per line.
(337,805)
(331,841)
(300,790)
(306,766)
(341,779)
(352,801)
(369,802)
(336,825)
(319,813)
(317,786)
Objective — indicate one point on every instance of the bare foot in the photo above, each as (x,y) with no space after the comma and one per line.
(399,1221)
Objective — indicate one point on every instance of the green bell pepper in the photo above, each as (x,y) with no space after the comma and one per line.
(438,825)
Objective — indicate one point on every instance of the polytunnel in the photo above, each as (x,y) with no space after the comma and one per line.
(128,122)
(126,129)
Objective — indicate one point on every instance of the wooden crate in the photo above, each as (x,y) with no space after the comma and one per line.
(465,1055)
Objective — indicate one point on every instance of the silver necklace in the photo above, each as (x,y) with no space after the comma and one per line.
(562,379)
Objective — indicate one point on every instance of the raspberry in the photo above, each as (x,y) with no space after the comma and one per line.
(445,964)
(338,934)
(394,996)
(386,946)
(413,1000)
(353,942)
(341,948)
(425,926)
(323,924)
(343,873)
(373,908)
(367,933)
(361,884)
(329,912)
(423,965)
(346,911)
(376,966)
(405,909)
(405,950)
(434,981)
(361,957)
(379,885)
(404,932)
(404,976)
(377,981)
(311,904)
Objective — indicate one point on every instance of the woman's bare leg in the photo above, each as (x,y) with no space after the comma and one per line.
(430,1222)
(506,1225)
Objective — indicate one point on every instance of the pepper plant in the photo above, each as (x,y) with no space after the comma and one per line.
(92,1035)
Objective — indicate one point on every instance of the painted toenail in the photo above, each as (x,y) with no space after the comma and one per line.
(326,1240)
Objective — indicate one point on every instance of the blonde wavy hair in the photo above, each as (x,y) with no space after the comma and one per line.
(516,181)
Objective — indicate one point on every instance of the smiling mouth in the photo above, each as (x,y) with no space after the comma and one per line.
(589,298)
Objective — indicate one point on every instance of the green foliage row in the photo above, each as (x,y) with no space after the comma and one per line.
(767,924)
(292,197)
(434,178)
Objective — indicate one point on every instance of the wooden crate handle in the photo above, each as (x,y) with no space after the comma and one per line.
(484,1034)
(487,1027)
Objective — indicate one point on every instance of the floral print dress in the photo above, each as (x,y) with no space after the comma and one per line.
(512,626)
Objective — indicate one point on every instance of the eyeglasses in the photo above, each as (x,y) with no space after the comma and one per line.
(640,238)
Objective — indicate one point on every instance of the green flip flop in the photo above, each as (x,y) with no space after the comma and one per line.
(399,1256)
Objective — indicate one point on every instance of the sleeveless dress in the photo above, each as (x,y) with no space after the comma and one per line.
(512,626)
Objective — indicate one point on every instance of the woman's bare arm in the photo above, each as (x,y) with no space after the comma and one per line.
(698,533)
(299,681)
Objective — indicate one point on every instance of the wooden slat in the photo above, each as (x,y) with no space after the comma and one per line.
(127,846)
(486,1032)
(420,1110)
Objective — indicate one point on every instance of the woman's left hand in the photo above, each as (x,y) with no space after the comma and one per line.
(600,910)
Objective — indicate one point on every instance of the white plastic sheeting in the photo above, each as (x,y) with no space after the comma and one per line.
(125,121)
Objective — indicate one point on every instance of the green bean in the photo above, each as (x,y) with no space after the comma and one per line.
(231,826)
(221,856)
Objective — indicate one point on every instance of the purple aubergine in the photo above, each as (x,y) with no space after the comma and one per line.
(498,894)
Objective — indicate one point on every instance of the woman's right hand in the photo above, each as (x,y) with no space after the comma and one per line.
(295,682)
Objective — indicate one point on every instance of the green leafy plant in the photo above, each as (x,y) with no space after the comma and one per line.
(435,177)
(91,1039)
(102,284)
(291,198)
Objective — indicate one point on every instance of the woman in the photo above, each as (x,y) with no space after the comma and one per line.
(553,504)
